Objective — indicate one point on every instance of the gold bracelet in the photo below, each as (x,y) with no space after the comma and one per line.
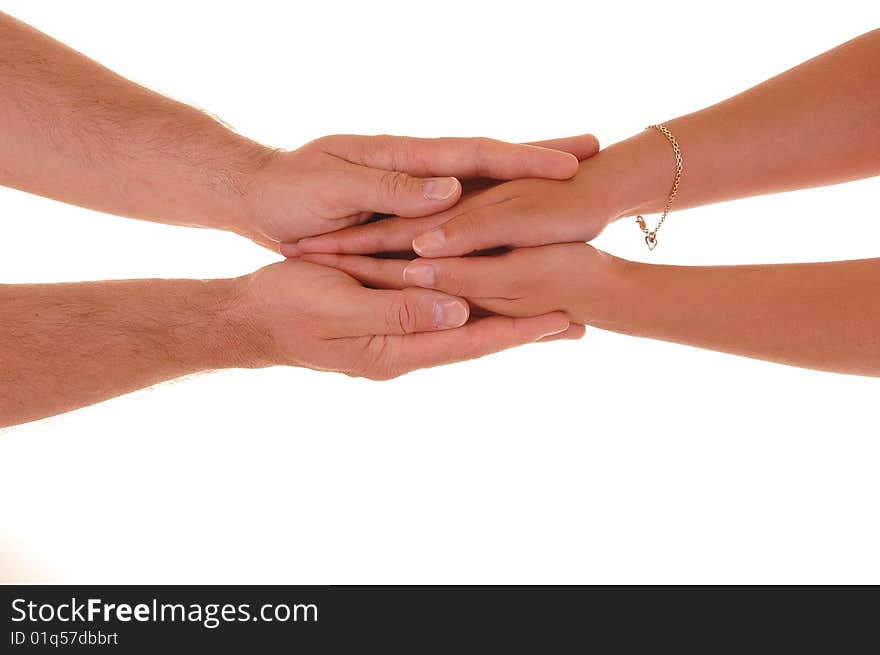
(651,235)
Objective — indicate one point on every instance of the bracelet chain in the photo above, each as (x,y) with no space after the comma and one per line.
(651,235)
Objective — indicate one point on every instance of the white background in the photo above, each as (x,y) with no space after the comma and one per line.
(609,460)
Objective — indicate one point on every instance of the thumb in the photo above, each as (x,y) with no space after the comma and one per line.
(393,192)
(409,311)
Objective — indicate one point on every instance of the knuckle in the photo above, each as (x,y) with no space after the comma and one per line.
(404,152)
(482,147)
(394,184)
(465,227)
(383,141)
(401,316)
(328,142)
(393,234)
(468,231)
(386,147)
(476,346)
(524,159)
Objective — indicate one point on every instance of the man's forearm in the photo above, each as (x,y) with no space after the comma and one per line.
(64,346)
(820,315)
(74,131)
(816,124)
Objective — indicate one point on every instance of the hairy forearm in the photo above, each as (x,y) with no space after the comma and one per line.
(64,346)
(74,131)
(821,315)
(814,125)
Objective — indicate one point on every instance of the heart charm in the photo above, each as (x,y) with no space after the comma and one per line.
(651,240)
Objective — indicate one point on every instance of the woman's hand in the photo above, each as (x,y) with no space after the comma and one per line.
(586,284)
(339,181)
(737,148)
(815,315)
(520,213)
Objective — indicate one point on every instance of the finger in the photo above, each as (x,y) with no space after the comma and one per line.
(497,284)
(388,235)
(373,272)
(459,157)
(394,235)
(582,146)
(471,277)
(512,223)
(380,312)
(394,192)
(390,274)
(476,339)
(575,331)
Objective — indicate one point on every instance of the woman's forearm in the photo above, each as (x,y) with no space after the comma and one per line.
(75,131)
(816,124)
(823,315)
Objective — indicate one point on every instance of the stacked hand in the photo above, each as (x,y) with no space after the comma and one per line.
(77,132)
(298,313)
(572,278)
(526,215)
(343,180)
(519,213)
(319,316)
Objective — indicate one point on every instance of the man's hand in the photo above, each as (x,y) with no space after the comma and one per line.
(302,314)
(519,213)
(339,181)
(65,346)
(75,131)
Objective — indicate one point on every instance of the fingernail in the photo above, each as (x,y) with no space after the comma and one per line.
(429,242)
(419,274)
(439,188)
(449,313)
(550,334)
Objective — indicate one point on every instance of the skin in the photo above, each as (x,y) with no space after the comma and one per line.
(713,307)
(64,346)
(77,132)
(816,124)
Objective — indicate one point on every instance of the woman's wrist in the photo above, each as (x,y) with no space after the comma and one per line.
(638,174)
(651,300)
(608,288)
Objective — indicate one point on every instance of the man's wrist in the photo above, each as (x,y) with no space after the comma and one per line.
(212,327)
(233,182)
